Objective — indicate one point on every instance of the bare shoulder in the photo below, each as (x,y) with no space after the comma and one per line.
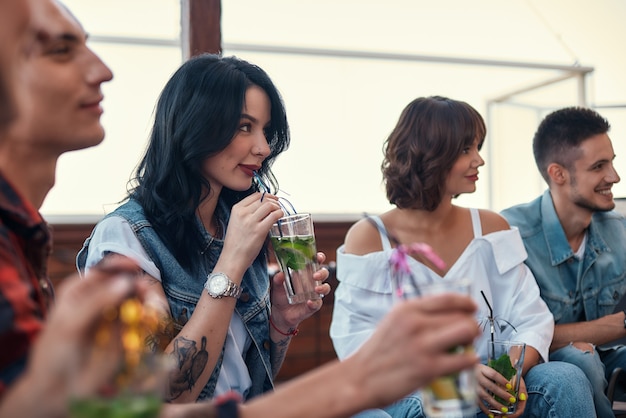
(362,238)
(492,221)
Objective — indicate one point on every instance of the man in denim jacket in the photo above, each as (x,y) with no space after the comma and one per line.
(576,243)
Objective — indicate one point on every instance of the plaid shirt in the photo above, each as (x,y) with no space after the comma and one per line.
(25,290)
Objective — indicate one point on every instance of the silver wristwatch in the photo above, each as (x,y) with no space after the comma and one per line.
(219,285)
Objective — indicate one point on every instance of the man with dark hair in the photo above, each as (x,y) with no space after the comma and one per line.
(576,243)
(59,111)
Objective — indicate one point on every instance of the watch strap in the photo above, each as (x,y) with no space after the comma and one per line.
(233,290)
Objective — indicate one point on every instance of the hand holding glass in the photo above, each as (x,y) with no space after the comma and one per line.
(452,396)
(507,358)
(138,376)
(293,240)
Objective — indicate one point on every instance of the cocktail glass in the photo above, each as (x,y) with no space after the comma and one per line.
(507,358)
(293,240)
(454,395)
(131,378)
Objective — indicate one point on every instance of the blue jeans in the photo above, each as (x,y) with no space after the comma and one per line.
(555,390)
(598,367)
(407,407)
(372,413)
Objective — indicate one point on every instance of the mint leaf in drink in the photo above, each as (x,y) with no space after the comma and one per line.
(503,366)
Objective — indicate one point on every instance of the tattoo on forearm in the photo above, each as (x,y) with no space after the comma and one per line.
(277,354)
(190,362)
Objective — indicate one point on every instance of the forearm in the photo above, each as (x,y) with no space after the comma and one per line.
(280,339)
(199,344)
(598,331)
(188,410)
(278,352)
(531,359)
(316,395)
(197,348)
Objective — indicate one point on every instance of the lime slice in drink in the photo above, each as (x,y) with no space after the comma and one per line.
(294,252)
(444,388)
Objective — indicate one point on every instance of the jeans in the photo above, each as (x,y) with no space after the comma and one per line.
(555,390)
(408,407)
(598,367)
(372,413)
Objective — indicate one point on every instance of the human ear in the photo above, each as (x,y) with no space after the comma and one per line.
(557,173)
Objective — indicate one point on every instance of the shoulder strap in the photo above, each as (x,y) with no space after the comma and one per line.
(382,231)
(478,229)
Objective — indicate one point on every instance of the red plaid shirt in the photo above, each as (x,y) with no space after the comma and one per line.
(25,290)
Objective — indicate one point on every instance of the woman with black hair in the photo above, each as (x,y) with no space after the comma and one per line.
(197,224)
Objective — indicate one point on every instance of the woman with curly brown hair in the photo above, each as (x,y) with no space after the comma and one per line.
(431,157)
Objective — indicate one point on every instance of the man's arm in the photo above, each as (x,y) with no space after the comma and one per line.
(599,331)
(409,348)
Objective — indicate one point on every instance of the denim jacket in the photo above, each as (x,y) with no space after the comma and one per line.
(575,290)
(183,289)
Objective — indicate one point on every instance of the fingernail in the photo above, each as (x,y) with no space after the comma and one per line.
(522,396)
(504,409)
(512,400)
(508,386)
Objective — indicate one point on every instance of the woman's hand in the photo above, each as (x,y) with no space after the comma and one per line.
(249,224)
(287,317)
(490,380)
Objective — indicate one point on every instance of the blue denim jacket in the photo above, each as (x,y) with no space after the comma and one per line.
(573,290)
(183,289)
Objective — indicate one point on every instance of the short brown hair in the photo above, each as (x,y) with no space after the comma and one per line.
(421,150)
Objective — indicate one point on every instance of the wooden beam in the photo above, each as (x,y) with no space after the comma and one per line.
(201,27)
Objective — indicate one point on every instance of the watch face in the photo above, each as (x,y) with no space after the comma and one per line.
(218,284)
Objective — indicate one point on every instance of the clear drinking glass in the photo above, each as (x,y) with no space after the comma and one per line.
(507,358)
(452,396)
(131,379)
(293,240)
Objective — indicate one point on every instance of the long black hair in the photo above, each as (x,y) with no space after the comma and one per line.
(196,117)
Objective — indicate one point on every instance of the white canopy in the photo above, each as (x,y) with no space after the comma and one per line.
(346,68)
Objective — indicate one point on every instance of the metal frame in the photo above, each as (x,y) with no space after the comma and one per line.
(567,71)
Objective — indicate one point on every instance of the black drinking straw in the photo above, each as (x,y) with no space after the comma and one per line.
(492,329)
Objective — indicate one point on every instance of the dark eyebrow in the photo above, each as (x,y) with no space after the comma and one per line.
(602,161)
(251,118)
(44,37)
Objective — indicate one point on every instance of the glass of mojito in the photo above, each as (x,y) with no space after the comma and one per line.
(454,395)
(507,358)
(293,240)
(133,378)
